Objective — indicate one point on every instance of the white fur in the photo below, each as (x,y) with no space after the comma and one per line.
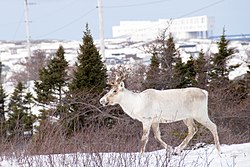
(152,107)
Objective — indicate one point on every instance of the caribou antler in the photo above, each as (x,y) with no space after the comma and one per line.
(120,75)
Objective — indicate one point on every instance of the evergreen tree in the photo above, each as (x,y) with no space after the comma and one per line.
(58,74)
(153,74)
(43,87)
(2,106)
(169,59)
(185,73)
(89,80)
(20,117)
(90,72)
(2,109)
(169,53)
(163,49)
(201,70)
(53,81)
(219,70)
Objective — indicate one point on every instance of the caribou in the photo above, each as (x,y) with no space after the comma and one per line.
(152,107)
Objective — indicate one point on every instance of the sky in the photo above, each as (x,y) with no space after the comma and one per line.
(66,19)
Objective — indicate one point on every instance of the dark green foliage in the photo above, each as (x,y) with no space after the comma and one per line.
(185,73)
(168,53)
(2,98)
(201,70)
(2,106)
(52,86)
(164,58)
(89,80)
(2,112)
(90,72)
(52,79)
(169,59)
(153,74)
(84,112)
(20,118)
(219,71)
(43,87)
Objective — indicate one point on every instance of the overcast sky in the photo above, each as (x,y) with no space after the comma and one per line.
(66,19)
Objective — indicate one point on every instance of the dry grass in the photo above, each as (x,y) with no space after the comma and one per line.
(123,136)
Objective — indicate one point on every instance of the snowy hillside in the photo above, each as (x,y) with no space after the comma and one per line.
(120,51)
(237,155)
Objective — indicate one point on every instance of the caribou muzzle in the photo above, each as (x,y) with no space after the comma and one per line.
(104,101)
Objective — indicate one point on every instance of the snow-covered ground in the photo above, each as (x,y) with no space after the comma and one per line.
(237,155)
(120,51)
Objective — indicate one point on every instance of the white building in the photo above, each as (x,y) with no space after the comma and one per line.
(182,28)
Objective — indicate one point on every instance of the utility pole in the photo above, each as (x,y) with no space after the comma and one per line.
(27,26)
(1,66)
(101,29)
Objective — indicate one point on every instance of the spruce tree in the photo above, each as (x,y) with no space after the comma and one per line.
(58,74)
(90,72)
(20,118)
(169,59)
(53,80)
(2,106)
(43,87)
(169,53)
(219,71)
(185,73)
(2,109)
(201,70)
(153,74)
(89,80)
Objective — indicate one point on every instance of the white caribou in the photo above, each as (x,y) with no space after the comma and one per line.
(152,107)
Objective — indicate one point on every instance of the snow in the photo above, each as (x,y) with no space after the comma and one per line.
(118,48)
(233,155)
(236,155)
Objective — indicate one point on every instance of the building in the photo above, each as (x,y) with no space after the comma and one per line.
(182,28)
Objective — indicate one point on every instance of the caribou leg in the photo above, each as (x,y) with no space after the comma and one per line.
(157,135)
(145,133)
(192,129)
(213,129)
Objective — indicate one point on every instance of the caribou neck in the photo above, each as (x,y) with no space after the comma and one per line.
(129,101)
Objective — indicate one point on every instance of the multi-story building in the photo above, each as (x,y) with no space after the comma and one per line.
(181,28)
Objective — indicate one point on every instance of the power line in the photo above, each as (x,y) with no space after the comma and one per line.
(56,9)
(136,4)
(18,26)
(68,24)
(187,14)
(119,6)
(200,9)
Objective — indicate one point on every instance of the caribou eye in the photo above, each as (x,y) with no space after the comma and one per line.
(115,91)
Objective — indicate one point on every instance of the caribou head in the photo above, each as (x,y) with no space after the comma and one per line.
(116,92)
